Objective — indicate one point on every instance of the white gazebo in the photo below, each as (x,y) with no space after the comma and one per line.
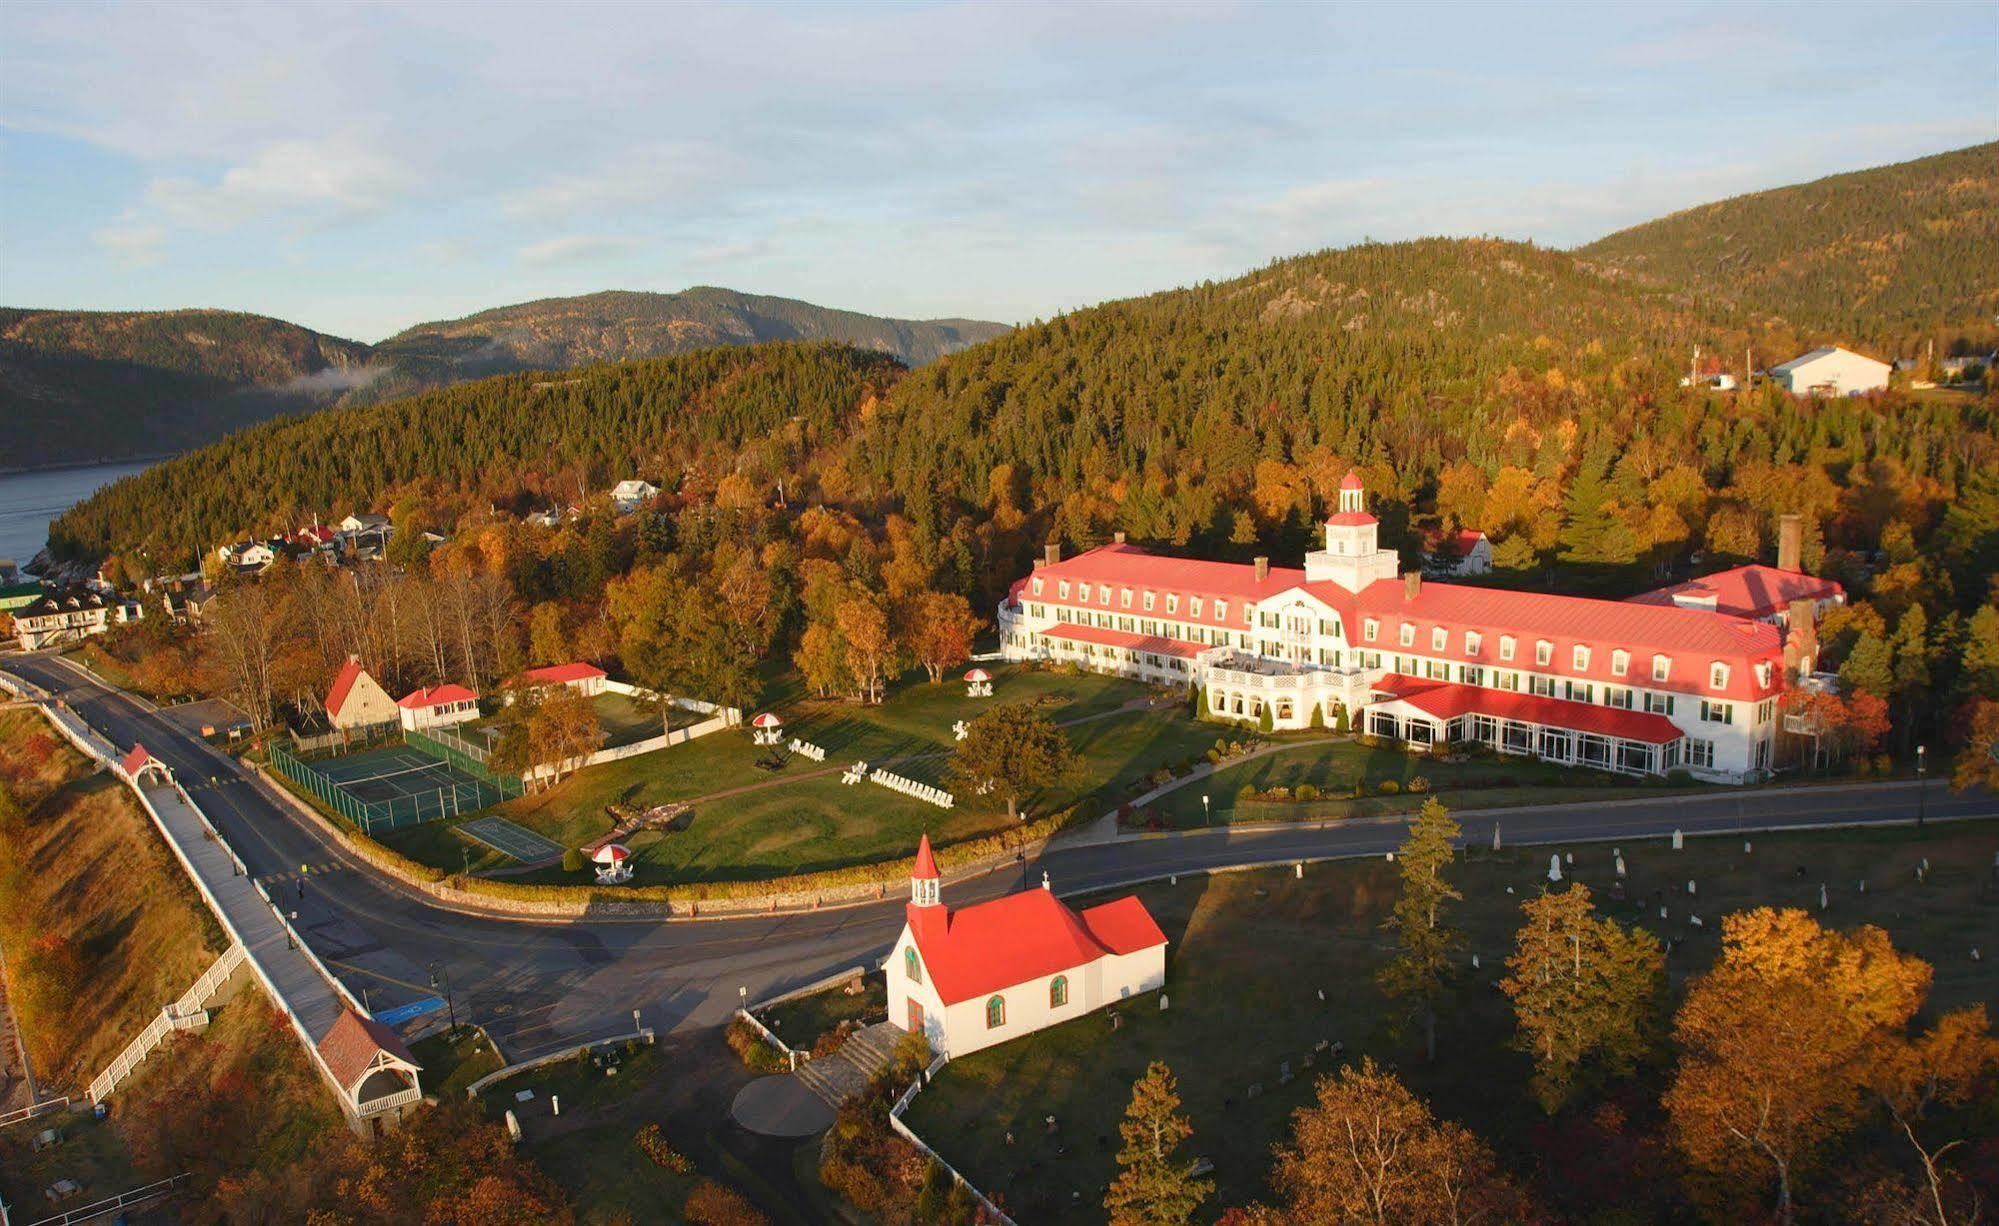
(615,861)
(767,729)
(979,684)
(377,1075)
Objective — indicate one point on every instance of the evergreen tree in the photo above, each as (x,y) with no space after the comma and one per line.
(1153,1188)
(1584,989)
(1979,675)
(1592,529)
(1870,666)
(1419,974)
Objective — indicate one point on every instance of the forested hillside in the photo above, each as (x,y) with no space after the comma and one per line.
(526,439)
(617,326)
(96,385)
(1888,258)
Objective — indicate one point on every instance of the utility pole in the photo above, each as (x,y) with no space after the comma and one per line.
(1922,785)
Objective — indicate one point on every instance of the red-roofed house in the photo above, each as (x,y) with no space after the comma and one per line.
(357,700)
(1460,553)
(578,676)
(437,706)
(970,977)
(1318,642)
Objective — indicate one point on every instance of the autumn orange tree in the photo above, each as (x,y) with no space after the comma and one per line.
(1153,1186)
(1796,1035)
(938,628)
(1368,1150)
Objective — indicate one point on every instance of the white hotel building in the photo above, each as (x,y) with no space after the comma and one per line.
(1631,687)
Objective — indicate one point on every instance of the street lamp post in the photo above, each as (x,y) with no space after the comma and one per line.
(437,977)
(1922,785)
(1204,810)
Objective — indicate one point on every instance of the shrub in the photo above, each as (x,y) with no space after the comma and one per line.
(1245,794)
(572,860)
(1307,792)
(1419,785)
(652,1143)
(1264,722)
(711,1204)
(1389,787)
(1341,722)
(831,1042)
(1318,718)
(754,1050)
(1370,741)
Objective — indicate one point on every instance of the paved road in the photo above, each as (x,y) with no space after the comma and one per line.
(541,985)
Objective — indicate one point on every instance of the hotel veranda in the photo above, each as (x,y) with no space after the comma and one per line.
(1628,686)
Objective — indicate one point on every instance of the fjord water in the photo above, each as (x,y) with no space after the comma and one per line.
(28,501)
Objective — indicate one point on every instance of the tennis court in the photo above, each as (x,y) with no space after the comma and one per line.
(509,839)
(391,787)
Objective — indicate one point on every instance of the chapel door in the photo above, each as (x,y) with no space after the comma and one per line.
(915,1017)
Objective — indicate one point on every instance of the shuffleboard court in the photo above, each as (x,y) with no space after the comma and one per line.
(509,839)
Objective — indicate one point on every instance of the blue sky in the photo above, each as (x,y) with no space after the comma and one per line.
(361,167)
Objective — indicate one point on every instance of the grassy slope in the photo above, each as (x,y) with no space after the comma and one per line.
(1884,256)
(1250,951)
(100,925)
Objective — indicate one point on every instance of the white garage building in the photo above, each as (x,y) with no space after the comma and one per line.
(1832,371)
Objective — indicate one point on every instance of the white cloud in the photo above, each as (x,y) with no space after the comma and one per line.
(575,249)
(648,175)
(131,237)
(345,175)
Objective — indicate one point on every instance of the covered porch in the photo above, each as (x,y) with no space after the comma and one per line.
(1424,714)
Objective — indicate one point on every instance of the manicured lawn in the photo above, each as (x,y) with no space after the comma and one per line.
(1335,769)
(1251,954)
(808,820)
(452,1060)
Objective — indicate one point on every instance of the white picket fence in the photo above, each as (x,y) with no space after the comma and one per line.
(909,1134)
(183,1014)
(910,787)
(808,749)
(719,717)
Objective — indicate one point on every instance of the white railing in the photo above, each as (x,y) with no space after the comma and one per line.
(187,1012)
(909,1134)
(32,1110)
(124,1200)
(720,717)
(770,1036)
(387,1102)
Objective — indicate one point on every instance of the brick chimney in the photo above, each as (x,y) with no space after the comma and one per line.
(1117,538)
(1790,542)
(1051,553)
(1412,585)
(1262,569)
(1801,642)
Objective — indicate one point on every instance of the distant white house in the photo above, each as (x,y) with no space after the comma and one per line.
(1832,371)
(630,495)
(364,521)
(970,977)
(586,679)
(1464,552)
(70,616)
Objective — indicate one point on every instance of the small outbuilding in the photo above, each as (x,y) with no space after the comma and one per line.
(1832,371)
(357,700)
(437,706)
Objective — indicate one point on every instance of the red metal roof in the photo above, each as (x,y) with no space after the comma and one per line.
(1351,519)
(1746,591)
(557,674)
(1352,480)
(926,864)
(352,1044)
(343,684)
(437,697)
(134,760)
(1448,700)
(1104,637)
(992,946)
(1127,566)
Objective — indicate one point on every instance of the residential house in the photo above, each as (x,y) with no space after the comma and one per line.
(356,700)
(1832,371)
(70,615)
(437,706)
(1460,553)
(630,495)
(586,679)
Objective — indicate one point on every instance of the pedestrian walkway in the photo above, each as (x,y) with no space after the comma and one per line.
(847,1072)
(288,969)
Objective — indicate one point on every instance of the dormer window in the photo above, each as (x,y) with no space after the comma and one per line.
(1763,675)
(1194,606)
(1580,657)
(1124,598)
(1662,667)
(1620,663)
(1407,635)
(1474,641)
(1104,595)
(1037,587)
(1221,610)
(1440,639)
(1717,676)
(1544,651)
(1370,629)
(1172,603)
(1083,592)
(1148,602)
(1506,645)
(1064,589)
